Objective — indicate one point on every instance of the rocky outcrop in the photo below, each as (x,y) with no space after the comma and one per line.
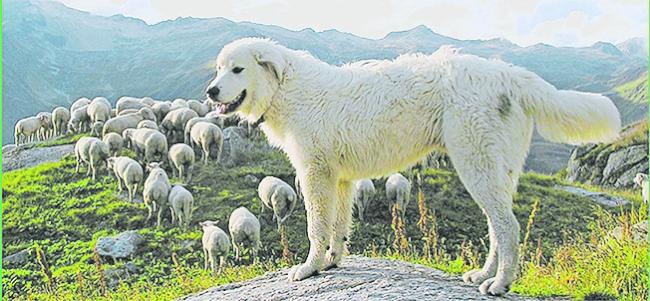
(598,197)
(124,245)
(235,146)
(19,157)
(16,260)
(612,165)
(358,278)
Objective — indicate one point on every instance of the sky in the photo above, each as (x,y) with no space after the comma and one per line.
(525,22)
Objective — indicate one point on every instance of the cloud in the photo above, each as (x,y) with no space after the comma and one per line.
(526,22)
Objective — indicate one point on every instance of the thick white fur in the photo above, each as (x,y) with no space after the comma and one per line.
(372,118)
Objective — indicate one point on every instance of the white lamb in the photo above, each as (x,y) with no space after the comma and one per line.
(641,180)
(156,190)
(147,124)
(278,196)
(210,118)
(99,110)
(128,173)
(364,191)
(91,151)
(60,118)
(26,130)
(216,243)
(244,230)
(181,202)
(209,137)
(114,142)
(129,121)
(79,120)
(79,103)
(181,158)
(47,126)
(150,145)
(398,191)
(174,122)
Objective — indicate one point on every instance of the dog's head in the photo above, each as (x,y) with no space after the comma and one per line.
(249,72)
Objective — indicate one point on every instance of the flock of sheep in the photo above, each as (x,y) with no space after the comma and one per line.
(175,133)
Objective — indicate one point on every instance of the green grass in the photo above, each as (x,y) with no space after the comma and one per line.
(636,90)
(65,213)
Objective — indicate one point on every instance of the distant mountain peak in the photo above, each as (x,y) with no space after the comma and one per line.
(417,31)
(607,47)
(637,47)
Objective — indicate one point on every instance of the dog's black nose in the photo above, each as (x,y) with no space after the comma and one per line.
(212,92)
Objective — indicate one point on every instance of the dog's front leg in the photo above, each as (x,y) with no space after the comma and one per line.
(319,190)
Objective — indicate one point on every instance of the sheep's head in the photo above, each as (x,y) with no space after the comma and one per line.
(153,165)
(111,162)
(640,178)
(206,224)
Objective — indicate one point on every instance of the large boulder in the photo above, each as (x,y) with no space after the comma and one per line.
(123,245)
(236,147)
(16,260)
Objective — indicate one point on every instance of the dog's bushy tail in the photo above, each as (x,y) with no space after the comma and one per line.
(570,116)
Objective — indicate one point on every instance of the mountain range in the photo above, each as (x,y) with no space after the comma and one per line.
(54,54)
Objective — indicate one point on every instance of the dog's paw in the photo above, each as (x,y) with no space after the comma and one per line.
(332,259)
(302,271)
(494,287)
(476,276)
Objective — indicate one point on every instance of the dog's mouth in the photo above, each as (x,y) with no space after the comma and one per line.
(225,108)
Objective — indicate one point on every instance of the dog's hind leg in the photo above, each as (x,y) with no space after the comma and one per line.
(341,230)
(478,152)
(320,204)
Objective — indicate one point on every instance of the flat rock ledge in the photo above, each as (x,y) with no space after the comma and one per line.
(358,278)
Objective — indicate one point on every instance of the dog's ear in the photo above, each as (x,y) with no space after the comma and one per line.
(272,62)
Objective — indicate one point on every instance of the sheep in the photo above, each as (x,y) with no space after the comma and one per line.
(181,158)
(215,243)
(79,103)
(114,142)
(201,108)
(209,137)
(120,123)
(398,191)
(181,202)
(244,231)
(128,173)
(127,102)
(102,100)
(641,180)
(160,109)
(79,120)
(99,110)
(26,130)
(180,103)
(147,101)
(278,196)
(174,122)
(60,118)
(150,145)
(147,124)
(220,119)
(91,151)
(364,191)
(47,126)
(214,119)
(97,128)
(127,111)
(156,190)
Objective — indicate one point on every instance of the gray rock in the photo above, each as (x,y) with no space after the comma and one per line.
(236,147)
(598,197)
(620,160)
(123,245)
(6,149)
(28,157)
(251,180)
(358,278)
(17,259)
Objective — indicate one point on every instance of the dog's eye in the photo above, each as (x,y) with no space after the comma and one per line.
(237,70)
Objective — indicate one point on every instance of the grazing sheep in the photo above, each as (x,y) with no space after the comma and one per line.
(91,151)
(127,111)
(160,109)
(398,191)
(641,180)
(364,191)
(79,120)
(181,202)
(278,196)
(99,110)
(114,142)
(147,124)
(128,121)
(60,118)
(244,231)
(216,243)
(209,137)
(180,103)
(26,130)
(128,173)
(201,108)
(220,118)
(150,145)
(79,103)
(148,101)
(156,190)
(181,158)
(127,102)
(47,126)
(97,128)
(214,119)
(174,122)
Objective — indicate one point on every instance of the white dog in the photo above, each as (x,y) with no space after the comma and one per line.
(372,118)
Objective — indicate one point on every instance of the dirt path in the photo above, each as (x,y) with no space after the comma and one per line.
(17,158)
